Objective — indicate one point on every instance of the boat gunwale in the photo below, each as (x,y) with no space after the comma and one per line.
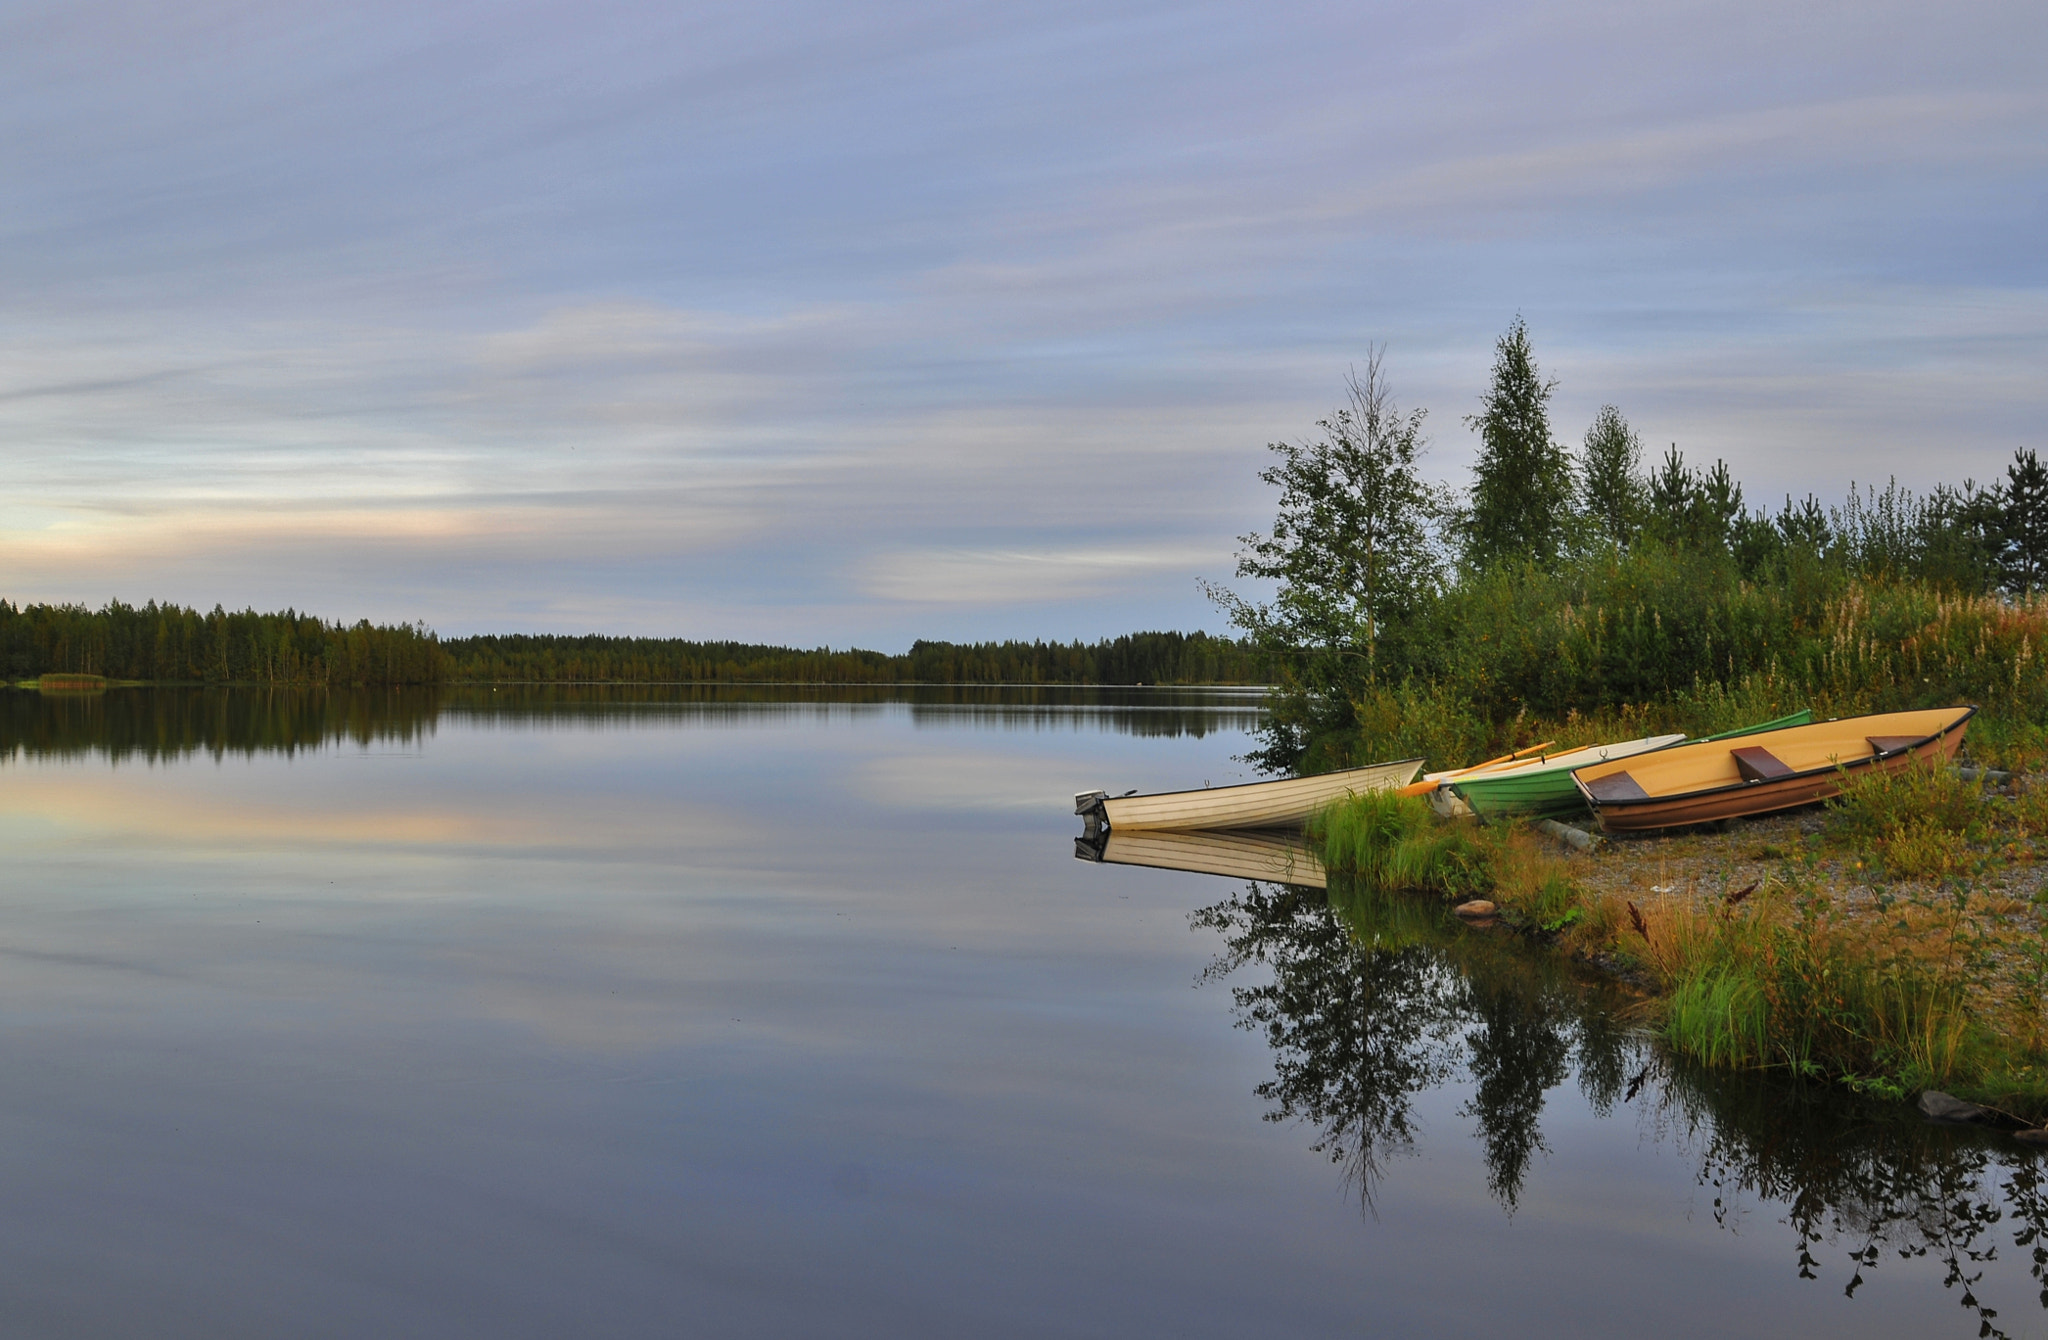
(1628,802)
(1270,781)
(1535,769)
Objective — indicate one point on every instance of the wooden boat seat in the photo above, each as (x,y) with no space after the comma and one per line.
(1757,764)
(1617,786)
(1892,744)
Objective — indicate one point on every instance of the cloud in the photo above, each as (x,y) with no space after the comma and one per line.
(1005,577)
(792,322)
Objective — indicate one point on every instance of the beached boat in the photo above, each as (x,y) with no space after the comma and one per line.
(1803,716)
(1278,857)
(1432,785)
(1542,786)
(1431,782)
(1765,771)
(1286,803)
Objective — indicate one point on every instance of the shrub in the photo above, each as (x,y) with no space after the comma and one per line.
(1919,820)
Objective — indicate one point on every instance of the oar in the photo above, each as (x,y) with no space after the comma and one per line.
(1423,786)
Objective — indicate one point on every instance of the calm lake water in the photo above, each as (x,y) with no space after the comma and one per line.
(761,1012)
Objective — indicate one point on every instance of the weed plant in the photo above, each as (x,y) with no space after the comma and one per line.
(1391,843)
(1385,844)
(1619,645)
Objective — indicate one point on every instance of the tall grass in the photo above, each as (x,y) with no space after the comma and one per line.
(1630,644)
(1393,843)
(1923,999)
(1389,844)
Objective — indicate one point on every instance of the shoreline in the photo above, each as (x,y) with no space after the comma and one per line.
(1790,941)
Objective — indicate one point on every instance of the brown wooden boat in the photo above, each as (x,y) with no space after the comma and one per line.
(1772,770)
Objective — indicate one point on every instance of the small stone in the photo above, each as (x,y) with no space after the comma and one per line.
(1477,910)
(2031,1137)
(1939,1106)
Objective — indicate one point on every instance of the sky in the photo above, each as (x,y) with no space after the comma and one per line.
(851,324)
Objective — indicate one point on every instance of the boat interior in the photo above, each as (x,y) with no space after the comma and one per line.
(1767,757)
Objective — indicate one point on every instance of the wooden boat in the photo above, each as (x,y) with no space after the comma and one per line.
(1278,857)
(1286,803)
(1542,787)
(1766,771)
(1431,782)
(1804,716)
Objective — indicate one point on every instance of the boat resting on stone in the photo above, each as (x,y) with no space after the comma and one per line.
(1766,771)
(1285,803)
(1433,785)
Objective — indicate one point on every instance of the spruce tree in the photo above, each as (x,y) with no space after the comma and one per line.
(1611,480)
(1522,483)
(2026,522)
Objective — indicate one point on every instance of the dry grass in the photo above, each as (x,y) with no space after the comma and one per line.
(1786,944)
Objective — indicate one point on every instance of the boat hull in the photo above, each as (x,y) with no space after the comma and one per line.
(1544,788)
(1286,803)
(1704,783)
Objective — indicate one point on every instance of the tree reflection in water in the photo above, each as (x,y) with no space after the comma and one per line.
(1369,1000)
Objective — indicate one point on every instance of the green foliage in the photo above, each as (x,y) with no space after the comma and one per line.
(1611,486)
(1392,843)
(169,642)
(1415,719)
(1756,988)
(1522,482)
(1673,605)
(1690,509)
(1919,820)
(1135,658)
(1351,549)
(2024,534)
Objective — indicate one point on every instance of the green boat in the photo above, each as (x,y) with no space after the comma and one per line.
(1542,788)
(1803,717)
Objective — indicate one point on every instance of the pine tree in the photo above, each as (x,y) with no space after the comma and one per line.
(1522,482)
(2026,522)
(1611,481)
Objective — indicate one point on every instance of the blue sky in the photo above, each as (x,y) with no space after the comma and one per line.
(810,323)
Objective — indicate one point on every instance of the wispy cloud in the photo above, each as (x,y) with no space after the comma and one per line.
(794,321)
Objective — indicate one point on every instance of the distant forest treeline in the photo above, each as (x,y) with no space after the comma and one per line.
(1135,658)
(168,643)
(171,643)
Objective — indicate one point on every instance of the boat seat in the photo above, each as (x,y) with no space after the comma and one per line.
(1757,764)
(1617,786)
(1892,744)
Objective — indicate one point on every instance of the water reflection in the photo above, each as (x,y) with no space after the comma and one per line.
(159,725)
(170,724)
(1238,853)
(1368,1002)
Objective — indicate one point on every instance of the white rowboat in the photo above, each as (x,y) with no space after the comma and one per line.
(1286,803)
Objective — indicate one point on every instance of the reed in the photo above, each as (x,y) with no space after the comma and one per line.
(1621,645)
(1390,844)
(1783,982)
(1393,843)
